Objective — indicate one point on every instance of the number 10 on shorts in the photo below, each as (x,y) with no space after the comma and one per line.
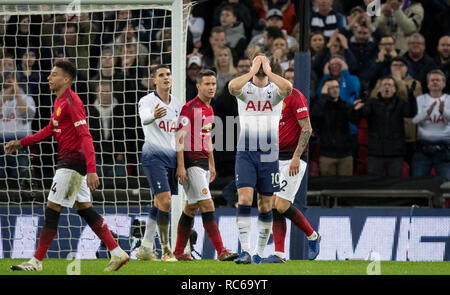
(275,178)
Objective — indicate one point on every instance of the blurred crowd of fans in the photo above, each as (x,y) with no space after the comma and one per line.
(368,71)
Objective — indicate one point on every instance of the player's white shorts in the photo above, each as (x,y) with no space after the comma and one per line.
(67,187)
(289,185)
(196,186)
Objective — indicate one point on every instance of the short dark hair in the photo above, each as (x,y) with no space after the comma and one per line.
(290,69)
(389,77)
(217,29)
(436,72)
(328,79)
(228,8)
(204,73)
(68,68)
(274,32)
(156,68)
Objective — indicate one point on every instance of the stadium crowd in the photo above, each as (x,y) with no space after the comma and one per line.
(390,65)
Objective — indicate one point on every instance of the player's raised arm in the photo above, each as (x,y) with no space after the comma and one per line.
(235,85)
(285,87)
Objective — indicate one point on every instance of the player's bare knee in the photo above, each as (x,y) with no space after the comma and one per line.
(245,196)
(207,205)
(191,209)
(282,205)
(54,206)
(83,206)
(265,203)
(164,201)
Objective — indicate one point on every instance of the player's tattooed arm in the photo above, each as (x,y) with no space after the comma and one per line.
(305,124)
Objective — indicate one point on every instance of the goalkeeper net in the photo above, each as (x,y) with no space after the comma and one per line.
(114,48)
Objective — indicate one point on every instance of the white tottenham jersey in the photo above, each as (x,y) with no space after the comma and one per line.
(159,133)
(435,127)
(259,116)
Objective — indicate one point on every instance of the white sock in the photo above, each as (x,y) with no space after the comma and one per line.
(116,251)
(36,260)
(313,236)
(244,225)
(264,229)
(150,232)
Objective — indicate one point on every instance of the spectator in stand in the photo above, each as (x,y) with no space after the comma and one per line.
(217,39)
(7,64)
(363,47)
(196,25)
(244,12)
(420,63)
(28,74)
(359,17)
(17,111)
(331,117)
(407,88)
(20,35)
(337,45)
(385,118)
(381,66)
(129,77)
(401,19)
(234,30)
(194,66)
(326,19)
(129,35)
(106,123)
(274,18)
(316,43)
(107,72)
(433,120)
(349,87)
(74,38)
(223,62)
(279,52)
(442,59)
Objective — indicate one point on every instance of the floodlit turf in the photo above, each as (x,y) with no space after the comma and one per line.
(213,267)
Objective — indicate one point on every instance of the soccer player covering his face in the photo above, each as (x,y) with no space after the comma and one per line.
(75,171)
(159,113)
(259,94)
(195,167)
(294,131)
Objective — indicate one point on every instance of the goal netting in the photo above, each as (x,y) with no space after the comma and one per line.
(114,44)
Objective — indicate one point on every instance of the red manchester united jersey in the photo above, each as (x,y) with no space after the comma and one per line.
(69,128)
(197,120)
(294,108)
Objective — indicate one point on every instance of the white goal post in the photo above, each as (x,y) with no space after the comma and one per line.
(179,13)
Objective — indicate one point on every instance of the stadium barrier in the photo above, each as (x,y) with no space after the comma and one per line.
(399,234)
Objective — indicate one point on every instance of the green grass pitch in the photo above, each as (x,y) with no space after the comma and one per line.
(213,267)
